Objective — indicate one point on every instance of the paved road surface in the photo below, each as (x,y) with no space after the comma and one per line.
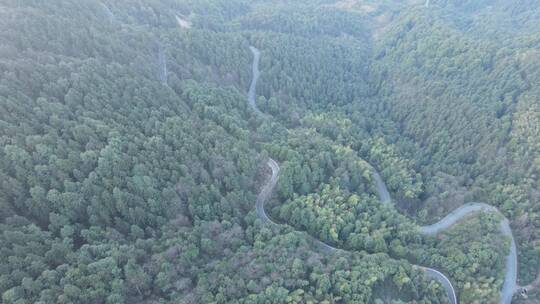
(445,282)
(267,190)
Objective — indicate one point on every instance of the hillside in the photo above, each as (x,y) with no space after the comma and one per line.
(246,151)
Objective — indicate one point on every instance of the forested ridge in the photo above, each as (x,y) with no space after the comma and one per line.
(131,161)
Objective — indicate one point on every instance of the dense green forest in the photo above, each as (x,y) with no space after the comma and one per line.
(131,161)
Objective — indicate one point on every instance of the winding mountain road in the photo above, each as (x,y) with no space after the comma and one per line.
(510,279)
(266,191)
(384,197)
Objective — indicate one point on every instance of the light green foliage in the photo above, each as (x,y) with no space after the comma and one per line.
(349,220)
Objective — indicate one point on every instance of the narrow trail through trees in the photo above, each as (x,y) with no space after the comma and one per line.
(108,12)
(510,278)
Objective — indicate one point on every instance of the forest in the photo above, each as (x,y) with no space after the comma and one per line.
(131,160)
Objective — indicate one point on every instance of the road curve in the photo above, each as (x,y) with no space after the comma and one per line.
(263,197)
(510,279)
(384,197)
(454,216)
(269,186)
(445,282)
(266,191)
